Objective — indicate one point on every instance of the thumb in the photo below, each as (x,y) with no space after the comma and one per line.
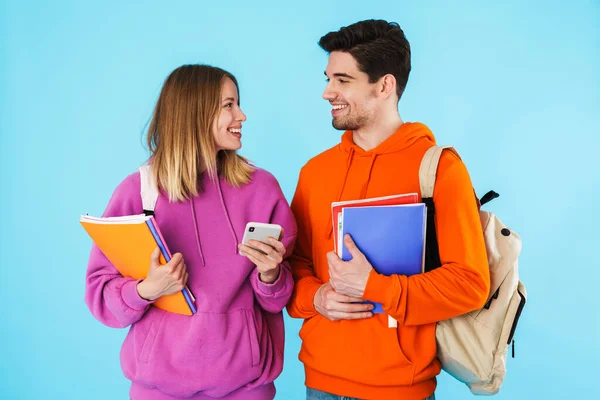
(155,258)
(351,246)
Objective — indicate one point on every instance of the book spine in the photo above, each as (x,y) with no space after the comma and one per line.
(167,255)
(159,238)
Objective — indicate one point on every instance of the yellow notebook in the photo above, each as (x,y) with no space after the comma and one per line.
(128,242)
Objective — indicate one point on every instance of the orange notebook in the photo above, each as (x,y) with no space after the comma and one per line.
(128,242)
(337,207)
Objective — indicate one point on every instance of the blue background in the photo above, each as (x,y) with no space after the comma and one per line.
(513,86)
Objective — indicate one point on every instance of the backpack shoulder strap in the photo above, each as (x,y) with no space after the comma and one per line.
(427,175)
(148,189)
(428,169)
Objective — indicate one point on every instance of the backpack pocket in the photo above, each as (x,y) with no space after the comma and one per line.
(496,376)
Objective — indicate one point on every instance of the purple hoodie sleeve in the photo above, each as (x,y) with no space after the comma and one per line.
(273,297)
(111,298)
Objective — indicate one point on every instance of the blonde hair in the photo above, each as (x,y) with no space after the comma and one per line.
(180,135)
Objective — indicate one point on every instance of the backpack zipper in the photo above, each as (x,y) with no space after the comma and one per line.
(516,320)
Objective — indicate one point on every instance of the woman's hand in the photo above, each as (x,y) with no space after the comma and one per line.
(268,259)
(163,280)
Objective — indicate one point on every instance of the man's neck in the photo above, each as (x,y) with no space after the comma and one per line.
(369,137)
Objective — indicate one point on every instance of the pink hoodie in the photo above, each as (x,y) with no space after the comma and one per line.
(233,346)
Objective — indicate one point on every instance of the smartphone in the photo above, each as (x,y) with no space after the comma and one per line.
(260,231)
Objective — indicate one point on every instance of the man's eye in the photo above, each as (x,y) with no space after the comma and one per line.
(342,81)
(327,80)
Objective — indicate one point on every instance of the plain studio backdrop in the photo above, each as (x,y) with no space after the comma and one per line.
(513,86)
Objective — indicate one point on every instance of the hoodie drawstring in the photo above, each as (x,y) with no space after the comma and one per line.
(348,164)
(235,239)
(224,207)
(193,208)
(363,192)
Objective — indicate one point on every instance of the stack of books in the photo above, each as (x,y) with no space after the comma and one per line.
(390,231)
(128,242)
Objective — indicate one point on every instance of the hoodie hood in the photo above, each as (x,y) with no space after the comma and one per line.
(403,138)
(217,183)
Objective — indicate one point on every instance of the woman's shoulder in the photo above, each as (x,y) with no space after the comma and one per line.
(126,198)
(263,177)
(130,184)
(264,183)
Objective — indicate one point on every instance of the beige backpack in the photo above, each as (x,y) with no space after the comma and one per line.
(473,347)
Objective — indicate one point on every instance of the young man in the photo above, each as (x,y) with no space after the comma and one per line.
(346,350)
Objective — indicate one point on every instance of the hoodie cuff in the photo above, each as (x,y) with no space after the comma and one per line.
(269,288)
(379,288)
(131,297)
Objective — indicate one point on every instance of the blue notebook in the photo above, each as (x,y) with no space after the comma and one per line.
(391,237)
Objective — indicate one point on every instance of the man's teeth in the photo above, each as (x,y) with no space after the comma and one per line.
(339,107)
(235,130)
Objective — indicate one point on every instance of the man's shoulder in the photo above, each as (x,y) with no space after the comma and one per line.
(452,168)
(322,160)
(449,159)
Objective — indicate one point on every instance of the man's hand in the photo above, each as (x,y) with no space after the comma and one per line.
(349,277)
(335,306)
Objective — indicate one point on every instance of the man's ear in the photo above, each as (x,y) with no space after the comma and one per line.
(388,85)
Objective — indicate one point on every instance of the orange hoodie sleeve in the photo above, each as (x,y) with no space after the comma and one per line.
(306,283)
(462,283)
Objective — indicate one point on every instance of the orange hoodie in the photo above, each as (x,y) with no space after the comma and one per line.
(364,358)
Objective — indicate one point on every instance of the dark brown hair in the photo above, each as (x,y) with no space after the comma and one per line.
(379,48)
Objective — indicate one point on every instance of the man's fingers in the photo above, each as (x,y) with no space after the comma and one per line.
(332,257)
(335,264)
(347,315)
(351,246)
(348,307)
(359,315)
(341,298)
(357,307)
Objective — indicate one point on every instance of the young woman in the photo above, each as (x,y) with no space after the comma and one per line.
(232,347)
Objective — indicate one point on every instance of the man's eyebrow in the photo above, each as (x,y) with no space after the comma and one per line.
(341,75)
